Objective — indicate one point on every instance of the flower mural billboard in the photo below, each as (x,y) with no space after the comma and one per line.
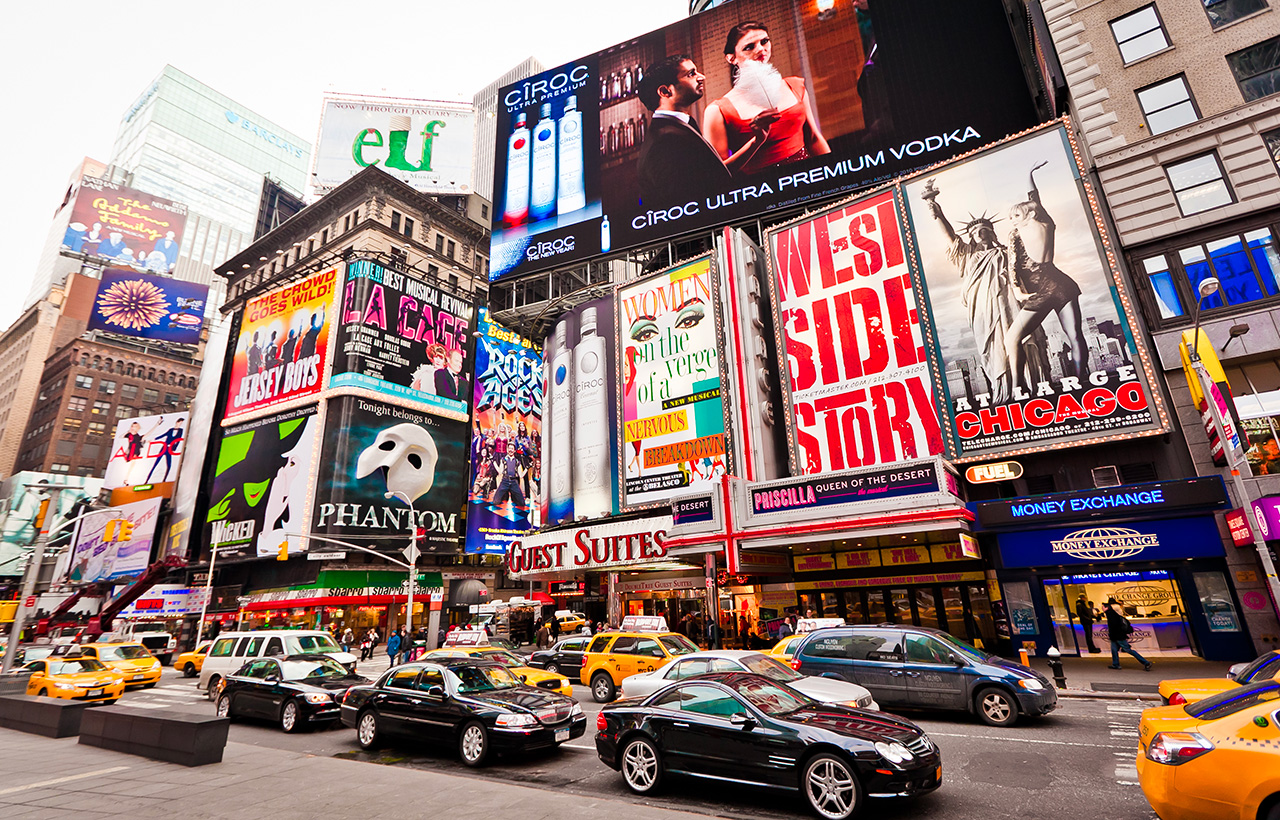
(149,306)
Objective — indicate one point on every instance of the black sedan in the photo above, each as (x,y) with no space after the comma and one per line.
(478,705)
(565,658)
(745,728)
(296,690)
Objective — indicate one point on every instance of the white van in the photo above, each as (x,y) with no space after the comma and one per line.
(231,650)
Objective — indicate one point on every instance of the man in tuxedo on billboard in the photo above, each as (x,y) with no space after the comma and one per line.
(676,164)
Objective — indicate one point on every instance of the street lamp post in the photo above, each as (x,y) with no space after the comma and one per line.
(32,575)
(411,552)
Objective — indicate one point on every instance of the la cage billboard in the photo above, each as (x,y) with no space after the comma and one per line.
(126,226)
(426,144)
(149,306)
(583,167)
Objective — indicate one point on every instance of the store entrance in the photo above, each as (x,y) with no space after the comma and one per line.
(964,610)
(1151,600)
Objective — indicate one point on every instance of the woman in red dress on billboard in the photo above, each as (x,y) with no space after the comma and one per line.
(765,120)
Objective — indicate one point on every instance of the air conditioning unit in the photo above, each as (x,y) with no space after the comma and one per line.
(1108,476)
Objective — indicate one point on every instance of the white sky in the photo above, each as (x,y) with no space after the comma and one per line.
(69,68)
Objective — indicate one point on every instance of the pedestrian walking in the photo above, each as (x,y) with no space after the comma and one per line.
(1084,611)
(366,647)
(406,644)
(393,647)
(348,638)
(1118,631)
(554,623)
(544,636)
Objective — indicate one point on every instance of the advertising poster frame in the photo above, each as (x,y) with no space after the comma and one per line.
(133,303)
(130,446)
(115,542)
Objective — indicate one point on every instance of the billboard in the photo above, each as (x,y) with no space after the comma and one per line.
(149,306)
(423,143)
(580,413)
(20,498)
(387,469)
(126,226)
(405,338)
(799,105)
(283,344)
(673,393)
(146,450)
(858,382)
(506,440)
(1031,328)
(260,481)
(114,543)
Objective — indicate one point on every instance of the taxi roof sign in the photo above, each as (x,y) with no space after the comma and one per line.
(467,637)
(644,623)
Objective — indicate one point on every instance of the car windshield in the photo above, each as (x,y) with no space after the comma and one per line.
(316,643)
(502,657)
(1233,700)
(474,679)
(1247,674)
(148,628)
(678,644)
(966,649)
(36,653)
(770,668)
(123,653)
(315,668)
(770,698)
(75,667)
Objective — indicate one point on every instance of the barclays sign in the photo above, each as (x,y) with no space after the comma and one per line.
(235,119)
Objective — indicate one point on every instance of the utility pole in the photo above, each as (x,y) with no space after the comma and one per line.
(34,562)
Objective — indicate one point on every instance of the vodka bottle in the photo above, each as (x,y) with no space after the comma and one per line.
(517,198)
(606,241)
(626,82)
(560,465)
(571,192)
(592,476)
(542,190)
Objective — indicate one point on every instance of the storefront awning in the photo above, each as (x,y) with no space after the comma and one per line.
(467,592)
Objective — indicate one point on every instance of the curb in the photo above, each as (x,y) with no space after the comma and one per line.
(1089,694)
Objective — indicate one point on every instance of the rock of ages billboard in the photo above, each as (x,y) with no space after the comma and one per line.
(403,337)
(506,440)
(386,470)
(259,489)
(1031,329)
(283,345)
(858,380)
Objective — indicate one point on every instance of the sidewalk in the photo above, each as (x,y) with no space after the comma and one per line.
(44,778)
(1089,676)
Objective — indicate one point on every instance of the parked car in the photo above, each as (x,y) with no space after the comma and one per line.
(917,667)
(74,679)
(297,691)
(824,690)
(741,728)
(565,657)
(477,704)
(231,650)
(140,668)
(1190,690)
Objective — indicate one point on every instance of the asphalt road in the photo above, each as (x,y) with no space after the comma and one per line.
(1076,763)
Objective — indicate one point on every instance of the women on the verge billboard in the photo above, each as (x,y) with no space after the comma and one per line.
(750,106)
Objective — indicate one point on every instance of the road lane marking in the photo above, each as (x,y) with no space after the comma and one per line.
(67,779)
(1020,740)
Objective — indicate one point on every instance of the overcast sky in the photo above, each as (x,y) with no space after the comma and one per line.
(70,68)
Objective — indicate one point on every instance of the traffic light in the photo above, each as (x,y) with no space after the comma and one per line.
(282,551)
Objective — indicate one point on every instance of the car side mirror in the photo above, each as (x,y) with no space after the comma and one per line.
(1235,670)
(743,721)
(435,692)
(272,679)
(524,678)
(958,661)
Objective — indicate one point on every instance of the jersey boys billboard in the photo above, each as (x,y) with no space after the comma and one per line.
(400,336)
(584,166)
(858,378)
(283,344)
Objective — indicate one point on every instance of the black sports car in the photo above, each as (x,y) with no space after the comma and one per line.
(479,705)
(296,690)
(745,728)
(564,658)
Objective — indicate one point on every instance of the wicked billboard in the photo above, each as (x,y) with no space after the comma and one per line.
(387,470)
(744,108)
(260,485)
(400,336)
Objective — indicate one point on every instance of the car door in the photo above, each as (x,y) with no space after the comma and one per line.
(569,656)
(398,699)
(39,671)
(431,712)
(876,660)
(245,689)
(273,688)
(647,655)
(933,681)
(705,740)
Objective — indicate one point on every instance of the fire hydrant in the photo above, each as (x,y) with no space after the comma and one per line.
(1055,665)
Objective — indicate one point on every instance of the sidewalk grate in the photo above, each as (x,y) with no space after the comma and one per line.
(1136,688)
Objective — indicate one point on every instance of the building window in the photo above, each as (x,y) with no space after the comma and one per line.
(452,248)
(1246,264)
(70,424)
(355,217)
(324,237)
(150,397)
(77,404)
(408,227)
(1139,34)
(453,281)
(101,408)
(433,271)
(346,223)
(311,246)
(90,451)
(1225,12)
(172,399)
(129,392)
(1168,105)
(86,470)
(84,383)
(1257,69)
(484,211)
(97,428)
(65,448)
(1199,183)
(439,243)
(1162,286)
(123,411)
(107,386)
(395,221)
(59,468)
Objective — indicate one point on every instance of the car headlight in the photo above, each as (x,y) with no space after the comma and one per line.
(516,721)
(155,664)
(564,682)
(67,686)
(1031,683)
(894,752)
(317,697)
(576,710)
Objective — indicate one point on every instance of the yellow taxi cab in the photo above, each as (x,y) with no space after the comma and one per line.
(191,662)
(785,648)
(74,679)
(534,677)
(570,621)
(1190,690)
(133,660)
(643,645)
(1214,759)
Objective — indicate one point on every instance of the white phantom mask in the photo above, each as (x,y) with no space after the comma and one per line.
(409,455)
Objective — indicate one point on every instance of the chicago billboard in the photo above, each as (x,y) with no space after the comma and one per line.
(146,450)
(426,144)
(1032,330)
(786,104)
(506,440)
(260,481)
(385,470)
(149,306)
(400,336)
(858,382)
(114,543)
(283,345)
(674,396)
(126,226)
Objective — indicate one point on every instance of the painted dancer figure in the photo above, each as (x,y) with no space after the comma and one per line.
(170,442)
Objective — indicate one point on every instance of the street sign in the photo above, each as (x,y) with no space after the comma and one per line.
(411,553)
(326,556)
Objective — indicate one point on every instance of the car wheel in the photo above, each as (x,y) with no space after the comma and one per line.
(997,707)
(602,688)
(43,693)
(553,668)
(215,683)
(473,744)
(189,671)
(291,720)
(367,731)
(641,766)
(224,707)
(1274,812)
(832,789)
(148,686)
